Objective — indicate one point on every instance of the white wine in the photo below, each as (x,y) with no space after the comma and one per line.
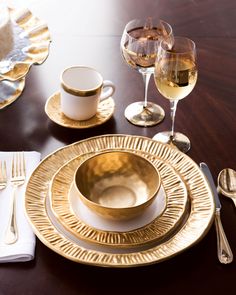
(175,78)
(140,50)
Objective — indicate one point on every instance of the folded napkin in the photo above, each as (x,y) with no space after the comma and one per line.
(24,248)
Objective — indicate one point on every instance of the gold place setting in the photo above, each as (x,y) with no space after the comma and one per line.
(54,199)
(109,200)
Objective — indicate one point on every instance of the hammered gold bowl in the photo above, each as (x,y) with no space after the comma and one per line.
(117,185)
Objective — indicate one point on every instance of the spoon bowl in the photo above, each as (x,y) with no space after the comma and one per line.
(227,183)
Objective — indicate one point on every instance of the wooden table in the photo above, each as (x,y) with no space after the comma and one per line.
(88,32)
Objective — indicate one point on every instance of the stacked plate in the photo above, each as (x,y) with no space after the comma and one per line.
(31,41)
(180,216)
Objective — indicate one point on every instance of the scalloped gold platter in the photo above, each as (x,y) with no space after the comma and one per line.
(157,221)
(31,45)
(10,91)
(53,110)
(53,235)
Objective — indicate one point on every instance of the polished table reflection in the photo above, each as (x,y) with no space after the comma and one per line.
(88,33)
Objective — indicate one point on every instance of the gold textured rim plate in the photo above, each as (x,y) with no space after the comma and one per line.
(53,110)
(10,91)
(174,188)
(37,33)
(199,220)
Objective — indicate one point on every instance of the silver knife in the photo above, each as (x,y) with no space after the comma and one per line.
(225,254)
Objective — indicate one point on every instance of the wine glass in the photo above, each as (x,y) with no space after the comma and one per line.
(175,77)
(139,44)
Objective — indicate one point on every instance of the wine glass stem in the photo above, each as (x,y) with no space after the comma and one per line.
(173,107)
(146,79)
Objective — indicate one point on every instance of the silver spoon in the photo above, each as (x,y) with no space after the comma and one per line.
(227,183)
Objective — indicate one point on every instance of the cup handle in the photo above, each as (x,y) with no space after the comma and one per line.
(109,92)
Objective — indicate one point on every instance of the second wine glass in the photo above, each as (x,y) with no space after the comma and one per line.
(175,77)
(139,44)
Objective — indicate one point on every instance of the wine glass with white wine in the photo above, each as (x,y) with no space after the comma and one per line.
(175,77)
(139,44)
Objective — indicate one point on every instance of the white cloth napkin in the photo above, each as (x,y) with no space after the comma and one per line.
(24,248)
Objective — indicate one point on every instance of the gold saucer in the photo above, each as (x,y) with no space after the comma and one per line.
(53,110)
(10,91)
(156,222)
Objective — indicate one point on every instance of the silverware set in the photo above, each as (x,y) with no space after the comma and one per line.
(17,178)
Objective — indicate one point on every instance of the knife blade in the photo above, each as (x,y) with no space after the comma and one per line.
(224,252)
(205,169)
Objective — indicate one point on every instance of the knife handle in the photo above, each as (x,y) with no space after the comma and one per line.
(225,254)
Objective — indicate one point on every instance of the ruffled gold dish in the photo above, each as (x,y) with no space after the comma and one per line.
(53,110)
(10,91)
(160,220)
(52,234)
(31,45)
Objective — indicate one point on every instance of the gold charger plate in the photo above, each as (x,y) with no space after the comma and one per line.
(199,220)
(160,219)
(10,91)
(31,45)
(53,110)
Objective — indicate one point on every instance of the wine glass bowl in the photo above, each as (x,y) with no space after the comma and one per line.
(175,77)
(139,44)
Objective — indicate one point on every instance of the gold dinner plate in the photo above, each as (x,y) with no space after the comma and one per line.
(47,229)
(10,91)
(156,222)
(53,110)
(31,45)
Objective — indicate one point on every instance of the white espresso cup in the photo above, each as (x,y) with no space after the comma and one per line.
(82,88)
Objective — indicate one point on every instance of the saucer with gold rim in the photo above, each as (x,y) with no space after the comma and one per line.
(53,110)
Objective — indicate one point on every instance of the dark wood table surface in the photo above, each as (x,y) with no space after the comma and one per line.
(88,32)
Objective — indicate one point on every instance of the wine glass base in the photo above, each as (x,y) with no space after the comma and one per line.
(139,115)
(180,140)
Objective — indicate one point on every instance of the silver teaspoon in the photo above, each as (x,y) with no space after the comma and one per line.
(227,183)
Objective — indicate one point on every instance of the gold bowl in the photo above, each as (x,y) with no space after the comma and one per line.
(117,185)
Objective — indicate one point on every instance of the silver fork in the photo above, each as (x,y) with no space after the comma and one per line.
(17,179)
(3,174)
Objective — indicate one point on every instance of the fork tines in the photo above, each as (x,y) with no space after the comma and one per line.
(18,164)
